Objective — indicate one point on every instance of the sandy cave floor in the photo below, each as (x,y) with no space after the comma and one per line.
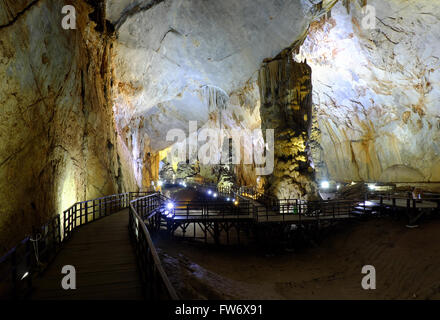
(407,263)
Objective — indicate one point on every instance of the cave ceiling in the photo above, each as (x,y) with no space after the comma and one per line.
(168,52)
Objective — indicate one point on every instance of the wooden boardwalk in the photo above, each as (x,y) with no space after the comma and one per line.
(105,264)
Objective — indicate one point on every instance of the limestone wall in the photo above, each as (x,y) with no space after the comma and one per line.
(58,143)
(376,91)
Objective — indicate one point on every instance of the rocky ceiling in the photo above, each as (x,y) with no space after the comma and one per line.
(172,57)
(375,91)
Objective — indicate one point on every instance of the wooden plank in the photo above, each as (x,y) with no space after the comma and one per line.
(105,263)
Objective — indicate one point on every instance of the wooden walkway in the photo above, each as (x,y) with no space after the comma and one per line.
(105,264)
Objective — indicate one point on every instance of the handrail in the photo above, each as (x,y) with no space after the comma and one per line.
(19,265)
(153,277)
(32,254)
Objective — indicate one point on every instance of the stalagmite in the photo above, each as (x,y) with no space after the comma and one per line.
(286,107)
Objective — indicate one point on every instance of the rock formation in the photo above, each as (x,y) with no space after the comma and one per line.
(376,91)
(286,107)
(85,112)
(58,140)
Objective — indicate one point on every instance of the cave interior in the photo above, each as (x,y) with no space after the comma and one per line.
(294,99)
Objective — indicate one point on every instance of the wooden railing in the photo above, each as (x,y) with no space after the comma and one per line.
(87,211)
(212,208)
(268,208)
(155,282)
(309,210)
(20,264)
(30,256)
(250,193)
(34,252)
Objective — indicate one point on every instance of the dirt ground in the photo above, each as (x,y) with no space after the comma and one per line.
(407,263)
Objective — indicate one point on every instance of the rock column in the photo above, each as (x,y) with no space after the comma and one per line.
(286,107)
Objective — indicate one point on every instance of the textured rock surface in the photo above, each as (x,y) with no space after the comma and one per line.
(240,112)
(58,141)
(286,107)
(167,52)
(377,92)
(166,171)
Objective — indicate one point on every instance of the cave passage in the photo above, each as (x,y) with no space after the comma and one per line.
(159,148)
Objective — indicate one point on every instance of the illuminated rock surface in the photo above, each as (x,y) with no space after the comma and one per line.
(85,112)
(58,142)
(286,106)
(377,92)
(167,52)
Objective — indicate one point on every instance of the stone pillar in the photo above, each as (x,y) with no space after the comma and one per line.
(286,107)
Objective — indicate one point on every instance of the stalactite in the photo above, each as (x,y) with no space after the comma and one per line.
(347,5)
(215,98)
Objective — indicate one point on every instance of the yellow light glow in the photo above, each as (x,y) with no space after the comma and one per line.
(68,191)
(164,153)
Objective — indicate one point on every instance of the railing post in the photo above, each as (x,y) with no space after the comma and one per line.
(94,210)
(64,225)
(74,220)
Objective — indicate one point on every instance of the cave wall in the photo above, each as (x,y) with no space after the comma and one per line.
(168,52)
(286,107)
(58,139)
(240,112)
(376,92)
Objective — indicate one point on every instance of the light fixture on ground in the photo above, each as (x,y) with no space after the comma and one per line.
(325,185)
(169,213)
(209,191)
(215,195)
(367,204)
